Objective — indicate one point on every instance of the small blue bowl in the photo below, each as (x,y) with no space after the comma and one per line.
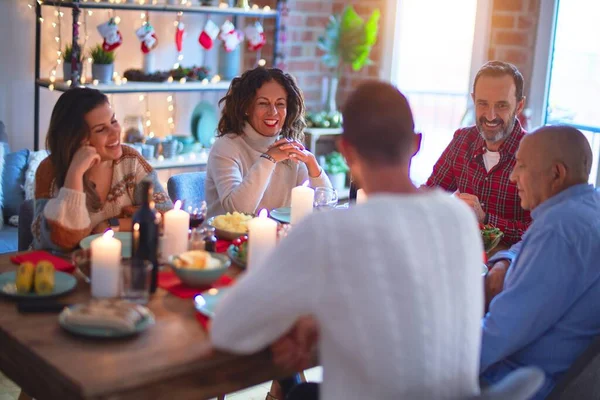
(197,277)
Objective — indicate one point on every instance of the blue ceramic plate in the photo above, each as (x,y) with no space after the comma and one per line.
(204,123)
(63,284)
(97,332)
(233,255)
(282,214)
(206,302)
(124,237)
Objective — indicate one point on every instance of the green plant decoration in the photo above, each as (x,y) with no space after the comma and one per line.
(335,163)
(99,56)
(348,39)
(68,53)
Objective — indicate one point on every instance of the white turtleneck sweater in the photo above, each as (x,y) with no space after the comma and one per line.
(238,179)
(395,285)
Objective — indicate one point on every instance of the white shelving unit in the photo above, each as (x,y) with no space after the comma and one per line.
(316,133)
(142,87)
(79,6)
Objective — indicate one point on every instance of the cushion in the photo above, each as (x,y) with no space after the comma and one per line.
(35,158)
(3,134)
(13,179)
(1,196)
(9,239)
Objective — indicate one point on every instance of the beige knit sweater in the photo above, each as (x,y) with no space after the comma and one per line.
(62,218)
(238,179)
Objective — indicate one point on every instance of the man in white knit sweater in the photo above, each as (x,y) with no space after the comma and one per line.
(394,285)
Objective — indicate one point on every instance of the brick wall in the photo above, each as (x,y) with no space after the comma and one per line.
(513,34)
(512,39)
(305,22)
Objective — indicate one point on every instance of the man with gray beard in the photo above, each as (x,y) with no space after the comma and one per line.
(478,161)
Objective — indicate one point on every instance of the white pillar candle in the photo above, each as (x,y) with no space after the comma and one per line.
(262,238)
(106,265)
(361,196)
(302,202)
(176,227)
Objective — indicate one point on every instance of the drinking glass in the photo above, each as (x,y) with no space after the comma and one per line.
(325,198)
(197,215)
(135,280)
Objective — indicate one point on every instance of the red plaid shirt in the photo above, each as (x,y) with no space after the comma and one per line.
(461,167)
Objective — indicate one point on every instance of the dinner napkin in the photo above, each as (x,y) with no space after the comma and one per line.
(222,245)
(60,264)
(170,282)
(112,314)
(203,320)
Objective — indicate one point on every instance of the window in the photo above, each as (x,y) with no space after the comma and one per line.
(567,72)
(435,70)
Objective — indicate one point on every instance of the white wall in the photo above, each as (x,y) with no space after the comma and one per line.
(17,57)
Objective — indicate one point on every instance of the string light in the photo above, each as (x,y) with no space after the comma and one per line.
(86,37)
(148,121)
(58,38)
(171,107)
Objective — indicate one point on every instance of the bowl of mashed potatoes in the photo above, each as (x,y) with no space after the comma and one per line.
(198,267)
(231,225)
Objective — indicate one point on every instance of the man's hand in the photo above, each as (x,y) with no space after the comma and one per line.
(494,281)
(295,350)
(473,202)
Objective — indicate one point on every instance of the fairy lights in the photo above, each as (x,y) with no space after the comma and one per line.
(58,38)
(171,106)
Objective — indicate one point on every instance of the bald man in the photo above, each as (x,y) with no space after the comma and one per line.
(548,312)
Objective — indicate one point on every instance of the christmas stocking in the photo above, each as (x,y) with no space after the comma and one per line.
(255,36)
(179,36)
(110,33)
(230,36)
(208,35)
(147,36)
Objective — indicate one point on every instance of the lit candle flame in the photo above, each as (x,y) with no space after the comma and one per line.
(263,213)
(108,234)
(305,184)
(177,205)
(136,227)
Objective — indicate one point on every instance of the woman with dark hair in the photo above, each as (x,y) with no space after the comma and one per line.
(258,157)
(89,181)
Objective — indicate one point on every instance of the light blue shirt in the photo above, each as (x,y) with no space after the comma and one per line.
(549,310)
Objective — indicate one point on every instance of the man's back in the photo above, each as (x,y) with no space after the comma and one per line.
(396,287)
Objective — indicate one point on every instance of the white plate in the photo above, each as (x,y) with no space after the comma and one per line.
(99,332)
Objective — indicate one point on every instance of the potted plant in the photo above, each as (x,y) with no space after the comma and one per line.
(336,168)
(348,39)
(102,67)
(66,56)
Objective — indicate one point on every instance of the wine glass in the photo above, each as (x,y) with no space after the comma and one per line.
(197,215)
(325,198)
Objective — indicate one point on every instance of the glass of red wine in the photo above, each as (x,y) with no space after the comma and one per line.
(197,215)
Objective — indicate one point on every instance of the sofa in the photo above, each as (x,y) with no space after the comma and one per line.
(17,184)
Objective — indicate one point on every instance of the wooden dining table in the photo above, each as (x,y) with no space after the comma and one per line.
(172,359)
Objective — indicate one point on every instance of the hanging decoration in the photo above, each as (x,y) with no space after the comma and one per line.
(179,35)
(208,34)
(111,35)
(147,37)
(230,36)
(255,36)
